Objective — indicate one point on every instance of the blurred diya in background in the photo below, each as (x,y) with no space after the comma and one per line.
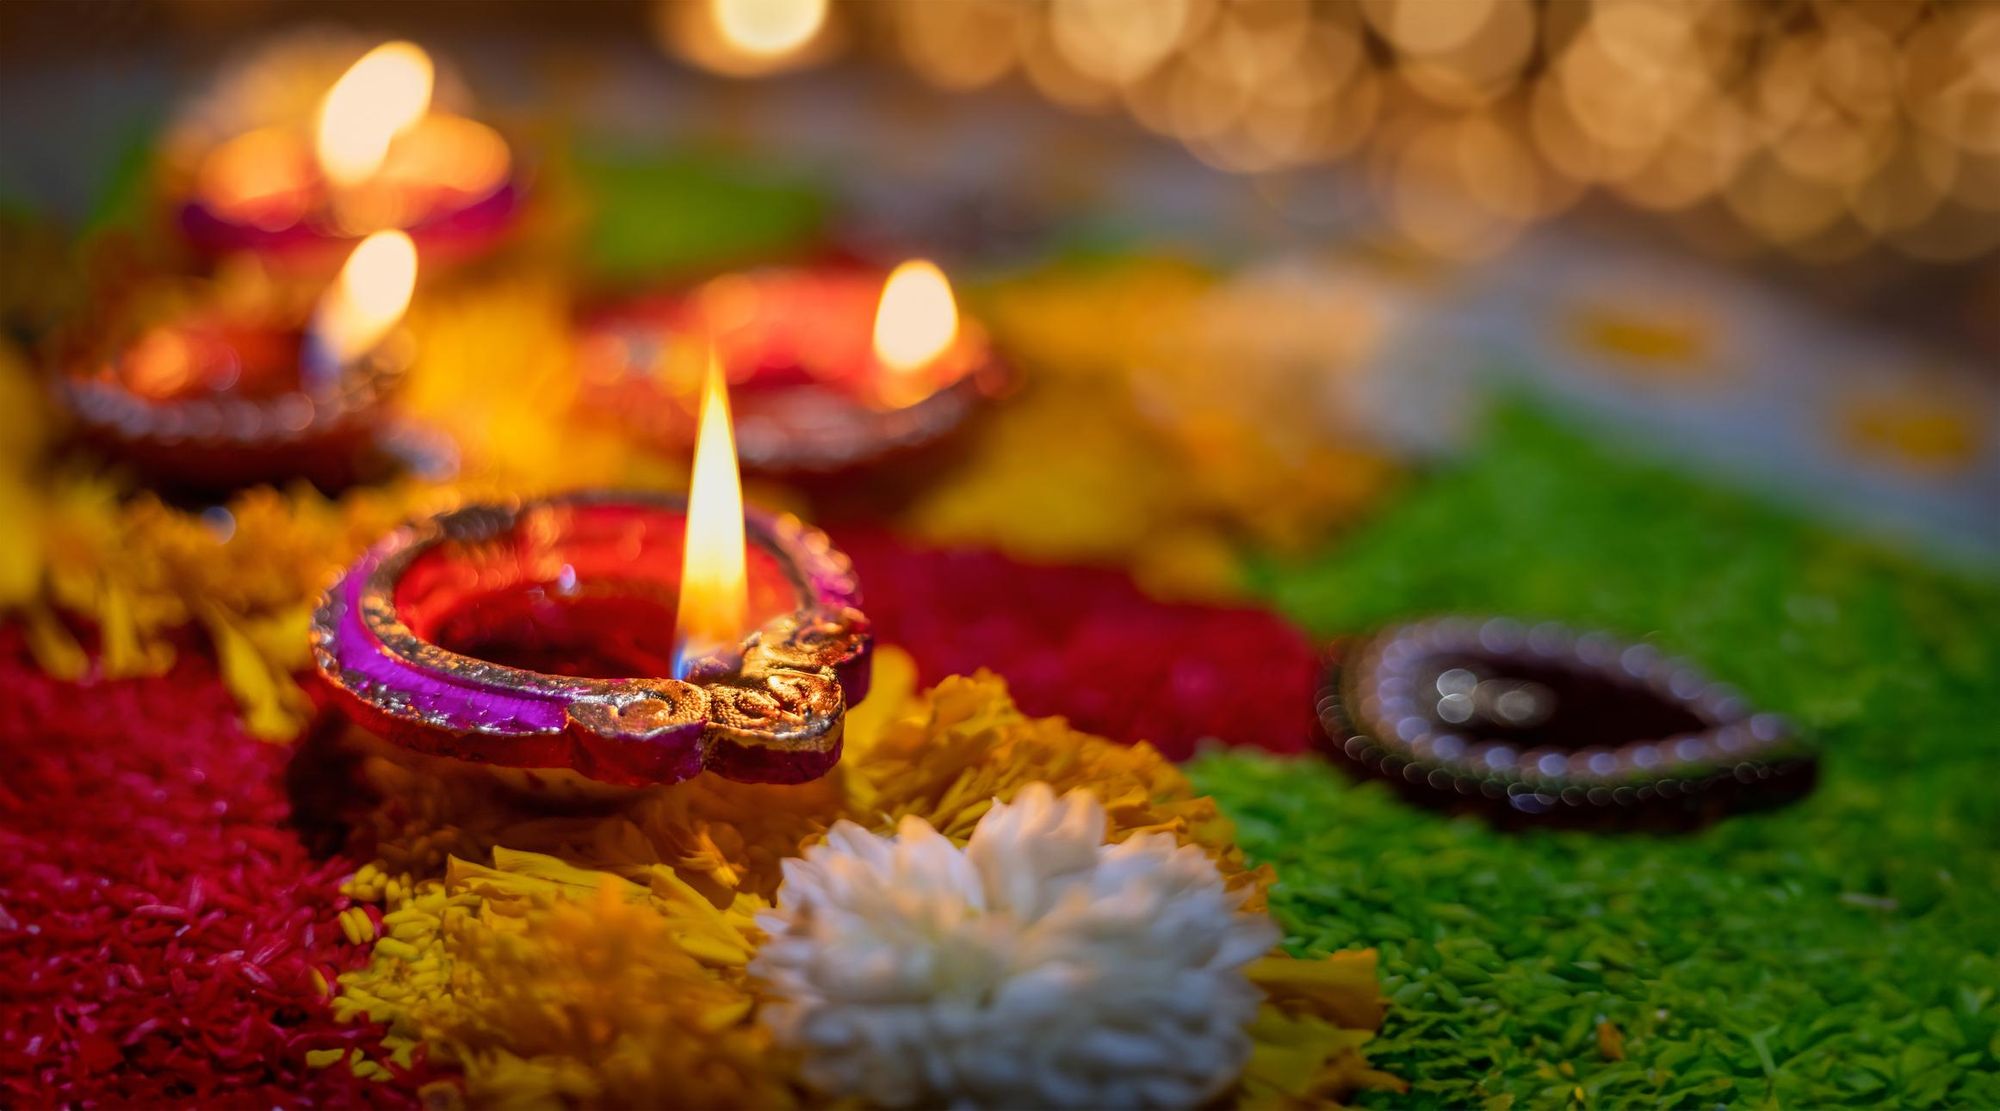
(605,639)
(1548,725)
(208,394)
(280,164)
(834,369)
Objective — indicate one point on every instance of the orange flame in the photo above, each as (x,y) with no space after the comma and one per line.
(917,320)
(714,602)
(368,298)
(377,99)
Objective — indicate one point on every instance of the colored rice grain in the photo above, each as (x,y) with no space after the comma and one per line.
(1088,644)
(1836,952)
(164,937)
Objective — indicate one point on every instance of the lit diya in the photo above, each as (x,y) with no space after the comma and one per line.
(217,397)
(373,155)
(1547,724)
(626,639)
(832,368)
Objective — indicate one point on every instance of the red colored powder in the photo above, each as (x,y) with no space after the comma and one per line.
(159,921)
(1087,644)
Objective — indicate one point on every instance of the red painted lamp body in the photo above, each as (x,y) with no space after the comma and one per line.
(539,635)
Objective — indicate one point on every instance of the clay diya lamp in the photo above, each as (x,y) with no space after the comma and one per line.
(299,193)
(834,369)
(599,637)
(216,397)
(1544,724)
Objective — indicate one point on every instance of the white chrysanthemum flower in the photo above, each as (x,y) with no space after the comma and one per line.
(1038,966)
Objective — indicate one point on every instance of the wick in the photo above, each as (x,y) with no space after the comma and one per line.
(319,365)
(695,662)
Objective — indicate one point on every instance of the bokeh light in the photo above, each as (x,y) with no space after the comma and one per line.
(1818,130)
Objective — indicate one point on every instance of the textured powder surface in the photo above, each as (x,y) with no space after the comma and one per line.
(1839,951)
(1087,644)
(164,924)
(165,936)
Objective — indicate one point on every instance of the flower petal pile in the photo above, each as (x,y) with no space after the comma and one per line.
(605,957)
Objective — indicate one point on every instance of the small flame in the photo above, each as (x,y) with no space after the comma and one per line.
(368,298)
(715,601)
(917,320)
(378,98)
(768,28)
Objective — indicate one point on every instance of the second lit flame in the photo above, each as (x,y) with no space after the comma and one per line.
(714,608)
(917,320)
(368,299)
(379,97)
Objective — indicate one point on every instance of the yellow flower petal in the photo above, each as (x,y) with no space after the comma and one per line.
(599,958)
(273,707)
(55,649)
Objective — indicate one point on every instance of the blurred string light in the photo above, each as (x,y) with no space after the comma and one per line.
(1819,127)
(746,38)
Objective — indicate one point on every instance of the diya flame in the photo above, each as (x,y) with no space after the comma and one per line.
(917,320)
(381,96)
(714,608)
(367,300)
(916,323)
(375,153)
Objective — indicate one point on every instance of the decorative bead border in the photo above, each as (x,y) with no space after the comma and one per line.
(296,416)
(1368,708)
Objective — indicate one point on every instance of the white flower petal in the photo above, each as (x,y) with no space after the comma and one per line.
(1036,966)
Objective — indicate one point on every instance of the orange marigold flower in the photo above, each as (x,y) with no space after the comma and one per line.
(599,955)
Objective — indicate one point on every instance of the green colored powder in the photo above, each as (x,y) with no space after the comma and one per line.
(1840,951)
(691,212)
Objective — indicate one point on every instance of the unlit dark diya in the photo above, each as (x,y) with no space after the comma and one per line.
(1544,723)
(541,636)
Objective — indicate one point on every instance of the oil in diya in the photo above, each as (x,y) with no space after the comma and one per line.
(206,395)
(836,370)
(372,153)
(594,643)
